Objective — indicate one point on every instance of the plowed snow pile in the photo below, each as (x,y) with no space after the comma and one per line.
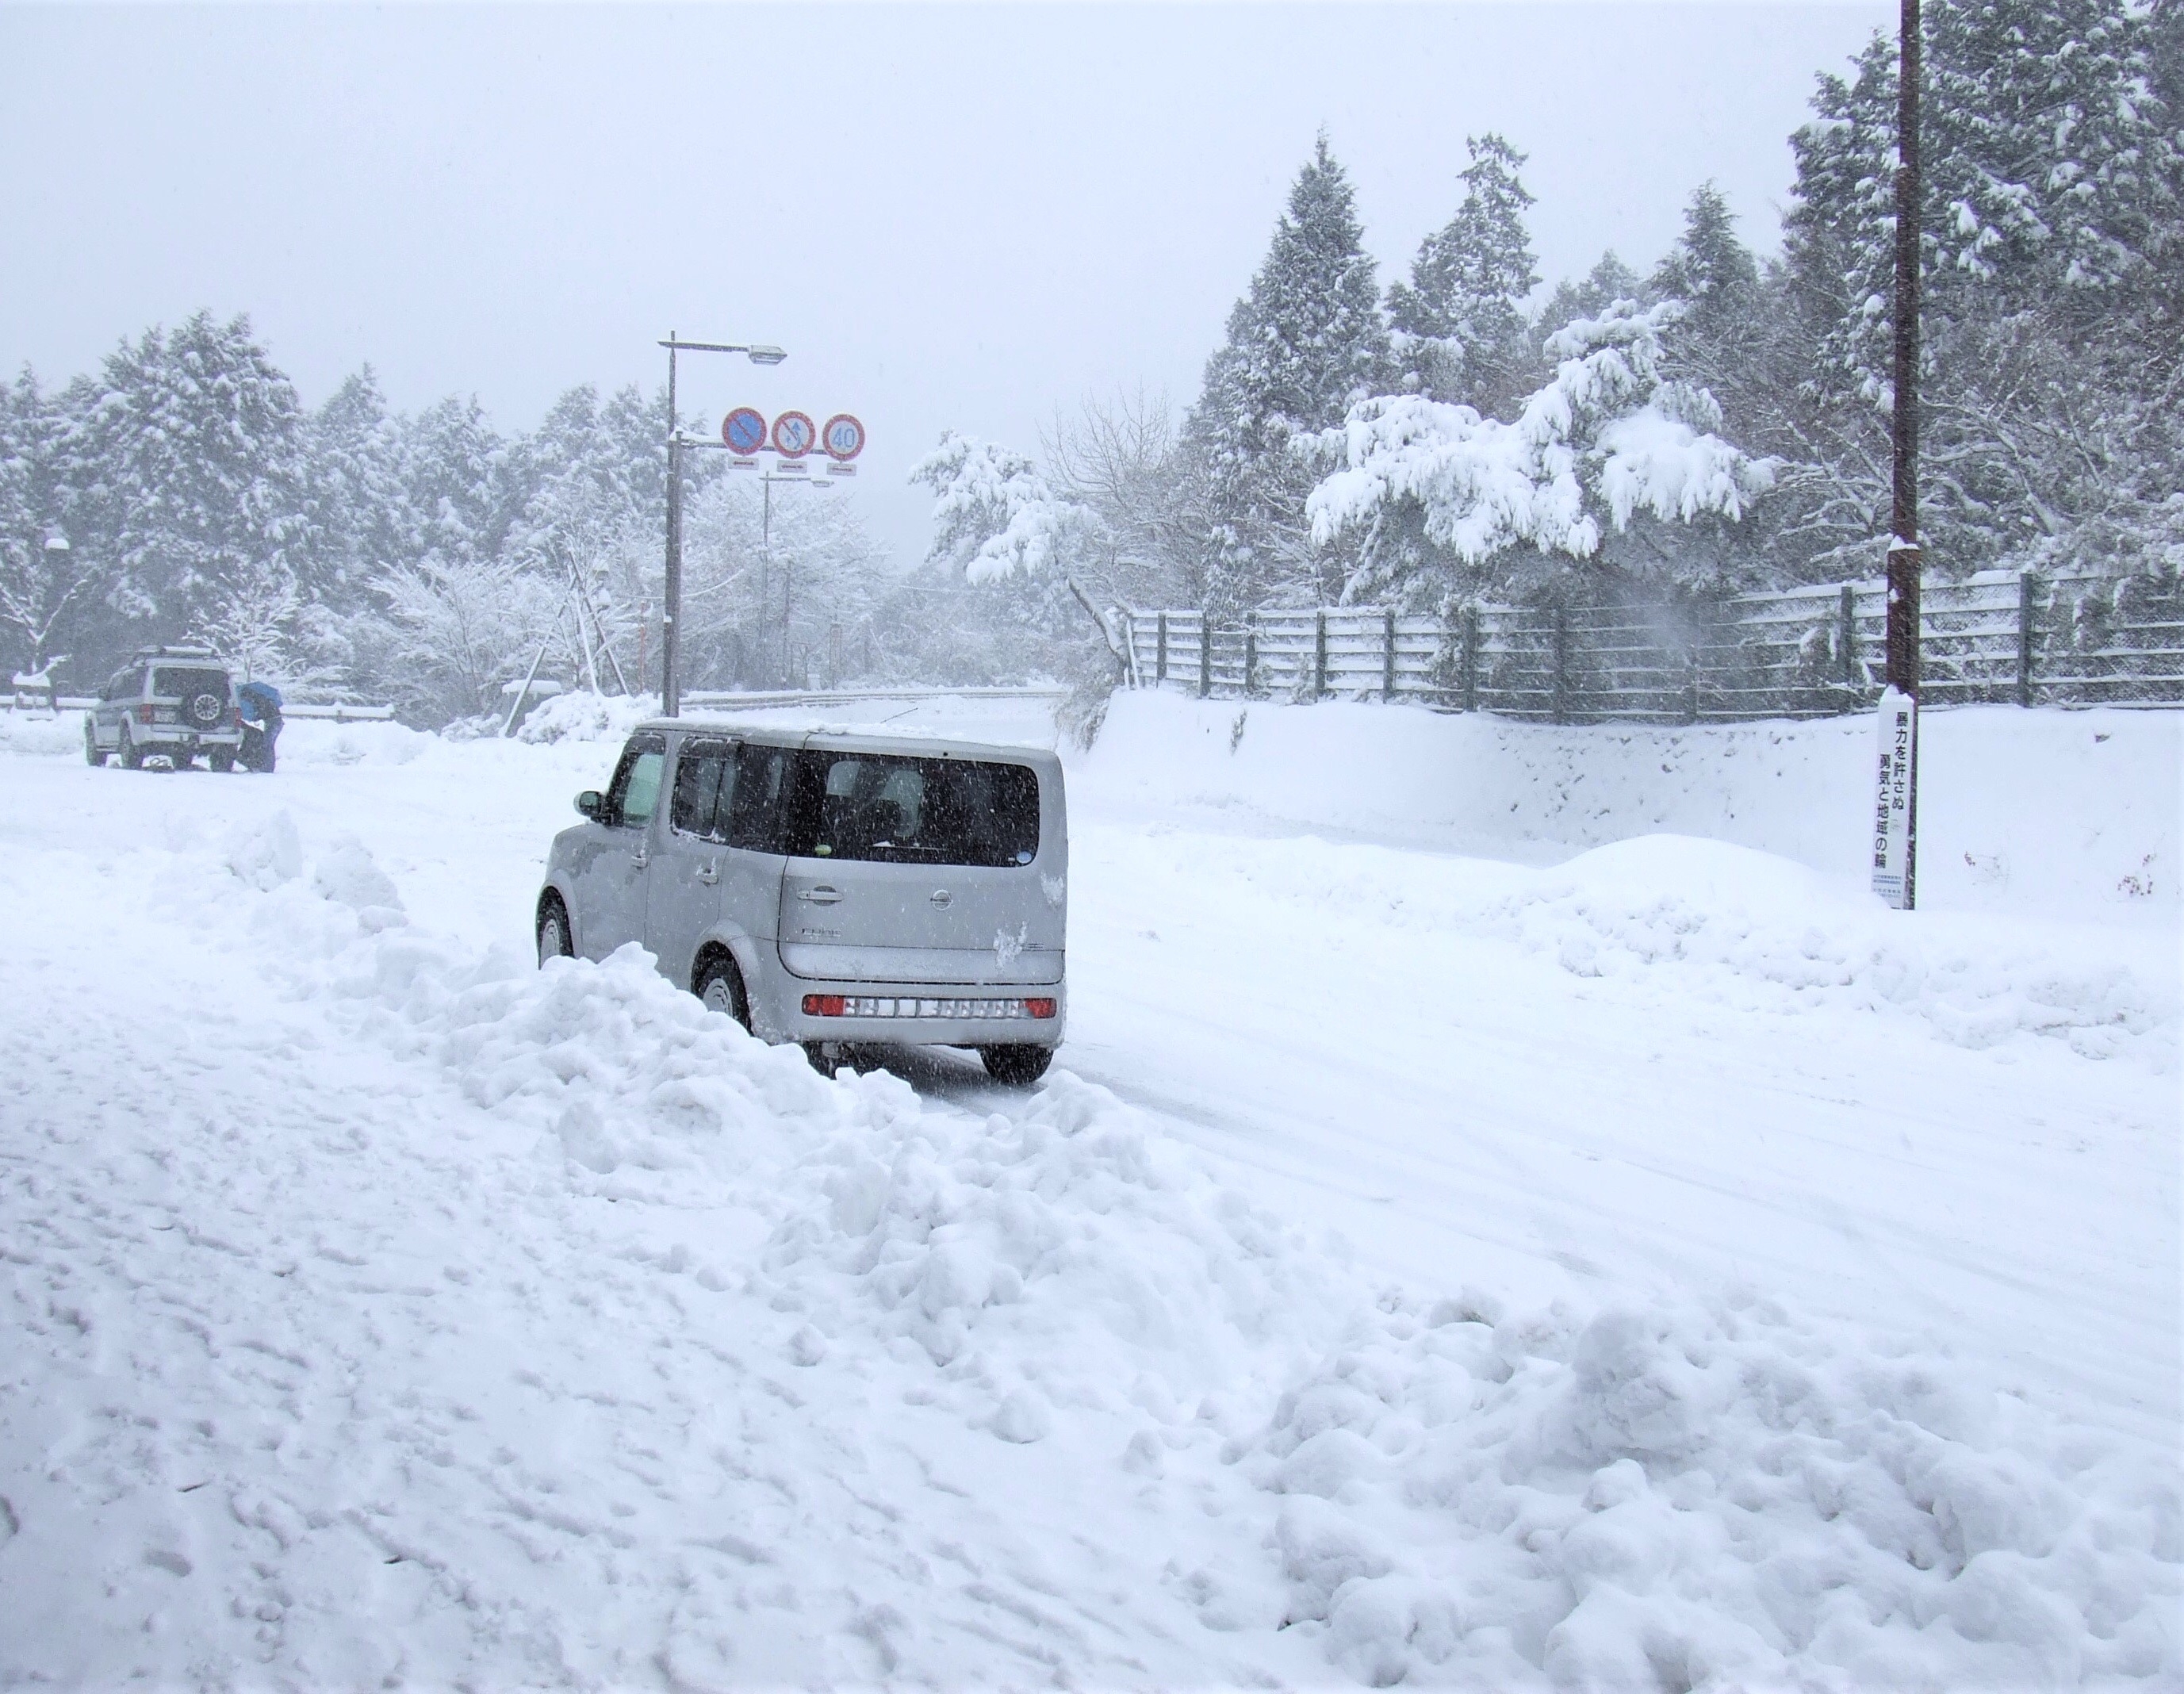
(453,1321)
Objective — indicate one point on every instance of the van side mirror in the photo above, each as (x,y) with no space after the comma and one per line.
(593,804)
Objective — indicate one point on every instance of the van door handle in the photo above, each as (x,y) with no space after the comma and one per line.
(709,873)
(640,858)
(940,897)
(821,895)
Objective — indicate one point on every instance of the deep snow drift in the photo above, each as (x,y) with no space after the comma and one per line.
(380,1307)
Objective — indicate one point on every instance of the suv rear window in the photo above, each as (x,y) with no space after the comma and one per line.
(905,811)
(179,683)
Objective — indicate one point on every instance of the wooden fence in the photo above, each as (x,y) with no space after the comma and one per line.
(1998,637)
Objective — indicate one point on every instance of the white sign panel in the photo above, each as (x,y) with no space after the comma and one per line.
(1896,770)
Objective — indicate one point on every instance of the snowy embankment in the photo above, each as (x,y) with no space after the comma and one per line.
(381,1307)
(2069,813)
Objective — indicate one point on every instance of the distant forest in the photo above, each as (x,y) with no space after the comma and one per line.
(1711,423)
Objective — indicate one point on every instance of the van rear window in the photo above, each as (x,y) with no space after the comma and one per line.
(922,811)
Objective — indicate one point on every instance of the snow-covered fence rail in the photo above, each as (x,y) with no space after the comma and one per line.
(1999,636)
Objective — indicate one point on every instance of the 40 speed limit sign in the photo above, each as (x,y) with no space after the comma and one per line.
(844,437)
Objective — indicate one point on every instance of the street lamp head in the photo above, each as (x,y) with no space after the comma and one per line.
(767,355)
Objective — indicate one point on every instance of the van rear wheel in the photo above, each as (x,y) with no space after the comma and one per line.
(720,985)
(92,754)
(1018,1066)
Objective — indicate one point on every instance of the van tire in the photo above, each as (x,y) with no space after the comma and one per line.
(132,760)
(720,985)
(1019,1067)
(222,762)
(91,755)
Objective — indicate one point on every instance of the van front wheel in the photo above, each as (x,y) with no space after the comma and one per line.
(1018,1066)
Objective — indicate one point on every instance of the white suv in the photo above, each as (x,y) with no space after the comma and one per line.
(165,702)
(832,889)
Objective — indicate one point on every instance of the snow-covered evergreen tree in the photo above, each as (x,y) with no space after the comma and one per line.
(1460,323)
(198,437)
(355,497)
(1306,342)
(1610,438)
(48,591)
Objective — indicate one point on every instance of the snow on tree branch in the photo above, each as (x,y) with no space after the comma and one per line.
(1607,436)
(994,514)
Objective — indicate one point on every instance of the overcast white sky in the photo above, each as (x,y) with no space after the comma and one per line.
(950,216)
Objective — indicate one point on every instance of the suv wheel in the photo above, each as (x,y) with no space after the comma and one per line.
(91,755)
(720,985)
(1018,1066)
(220,760)
(132,760)
(553,931)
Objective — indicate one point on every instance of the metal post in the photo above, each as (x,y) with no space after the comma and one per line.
(2028,619)
(1903,560)
(1471,658)
(670,614)
(1319,656)
(1250,653)
(1204,655)
(1388,654)
(1160,651)
(1560,700)
(1846,636)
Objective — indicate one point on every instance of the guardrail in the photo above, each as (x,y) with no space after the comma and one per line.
(2011,638)
(337,711)
(717,699)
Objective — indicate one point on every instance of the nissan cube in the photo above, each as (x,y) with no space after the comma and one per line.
(836,889)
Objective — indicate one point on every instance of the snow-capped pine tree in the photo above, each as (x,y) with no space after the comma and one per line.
(1305,343)
(47,594)
(197,435)
(1612,438)
(355,497)
(1708,268)
(1460,324)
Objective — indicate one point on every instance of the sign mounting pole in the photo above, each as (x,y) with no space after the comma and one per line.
(1896,831)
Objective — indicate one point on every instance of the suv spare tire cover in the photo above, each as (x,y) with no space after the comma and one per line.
(205,708)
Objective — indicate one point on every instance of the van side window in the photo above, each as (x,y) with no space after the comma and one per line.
(755,813)
(635,791)
(704,788)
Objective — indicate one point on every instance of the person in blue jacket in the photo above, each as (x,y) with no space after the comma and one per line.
(260,705)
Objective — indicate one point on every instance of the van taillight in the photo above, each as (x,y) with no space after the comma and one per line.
(822,1004)
(1040,1008)
(143,714)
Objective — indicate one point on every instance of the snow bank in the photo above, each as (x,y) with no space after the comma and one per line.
(1413,1483)
(34,732)
(1714,1496)
(2070,813)
(578,715)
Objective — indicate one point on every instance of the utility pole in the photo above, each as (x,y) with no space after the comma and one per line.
(1896,841)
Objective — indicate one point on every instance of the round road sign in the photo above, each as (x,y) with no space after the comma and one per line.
(744,430)
(793,434)
(844,437)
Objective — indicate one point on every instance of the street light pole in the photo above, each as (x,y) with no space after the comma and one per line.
(671,611)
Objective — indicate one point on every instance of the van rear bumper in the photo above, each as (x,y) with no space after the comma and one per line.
(916,1013)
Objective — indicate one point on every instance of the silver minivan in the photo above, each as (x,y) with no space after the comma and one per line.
(830,888)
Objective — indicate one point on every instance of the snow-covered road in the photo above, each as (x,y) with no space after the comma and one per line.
(1733,1286)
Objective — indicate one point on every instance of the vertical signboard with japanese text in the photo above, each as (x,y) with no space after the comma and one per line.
(1895,816)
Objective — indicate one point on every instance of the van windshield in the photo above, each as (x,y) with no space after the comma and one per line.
(925,811)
